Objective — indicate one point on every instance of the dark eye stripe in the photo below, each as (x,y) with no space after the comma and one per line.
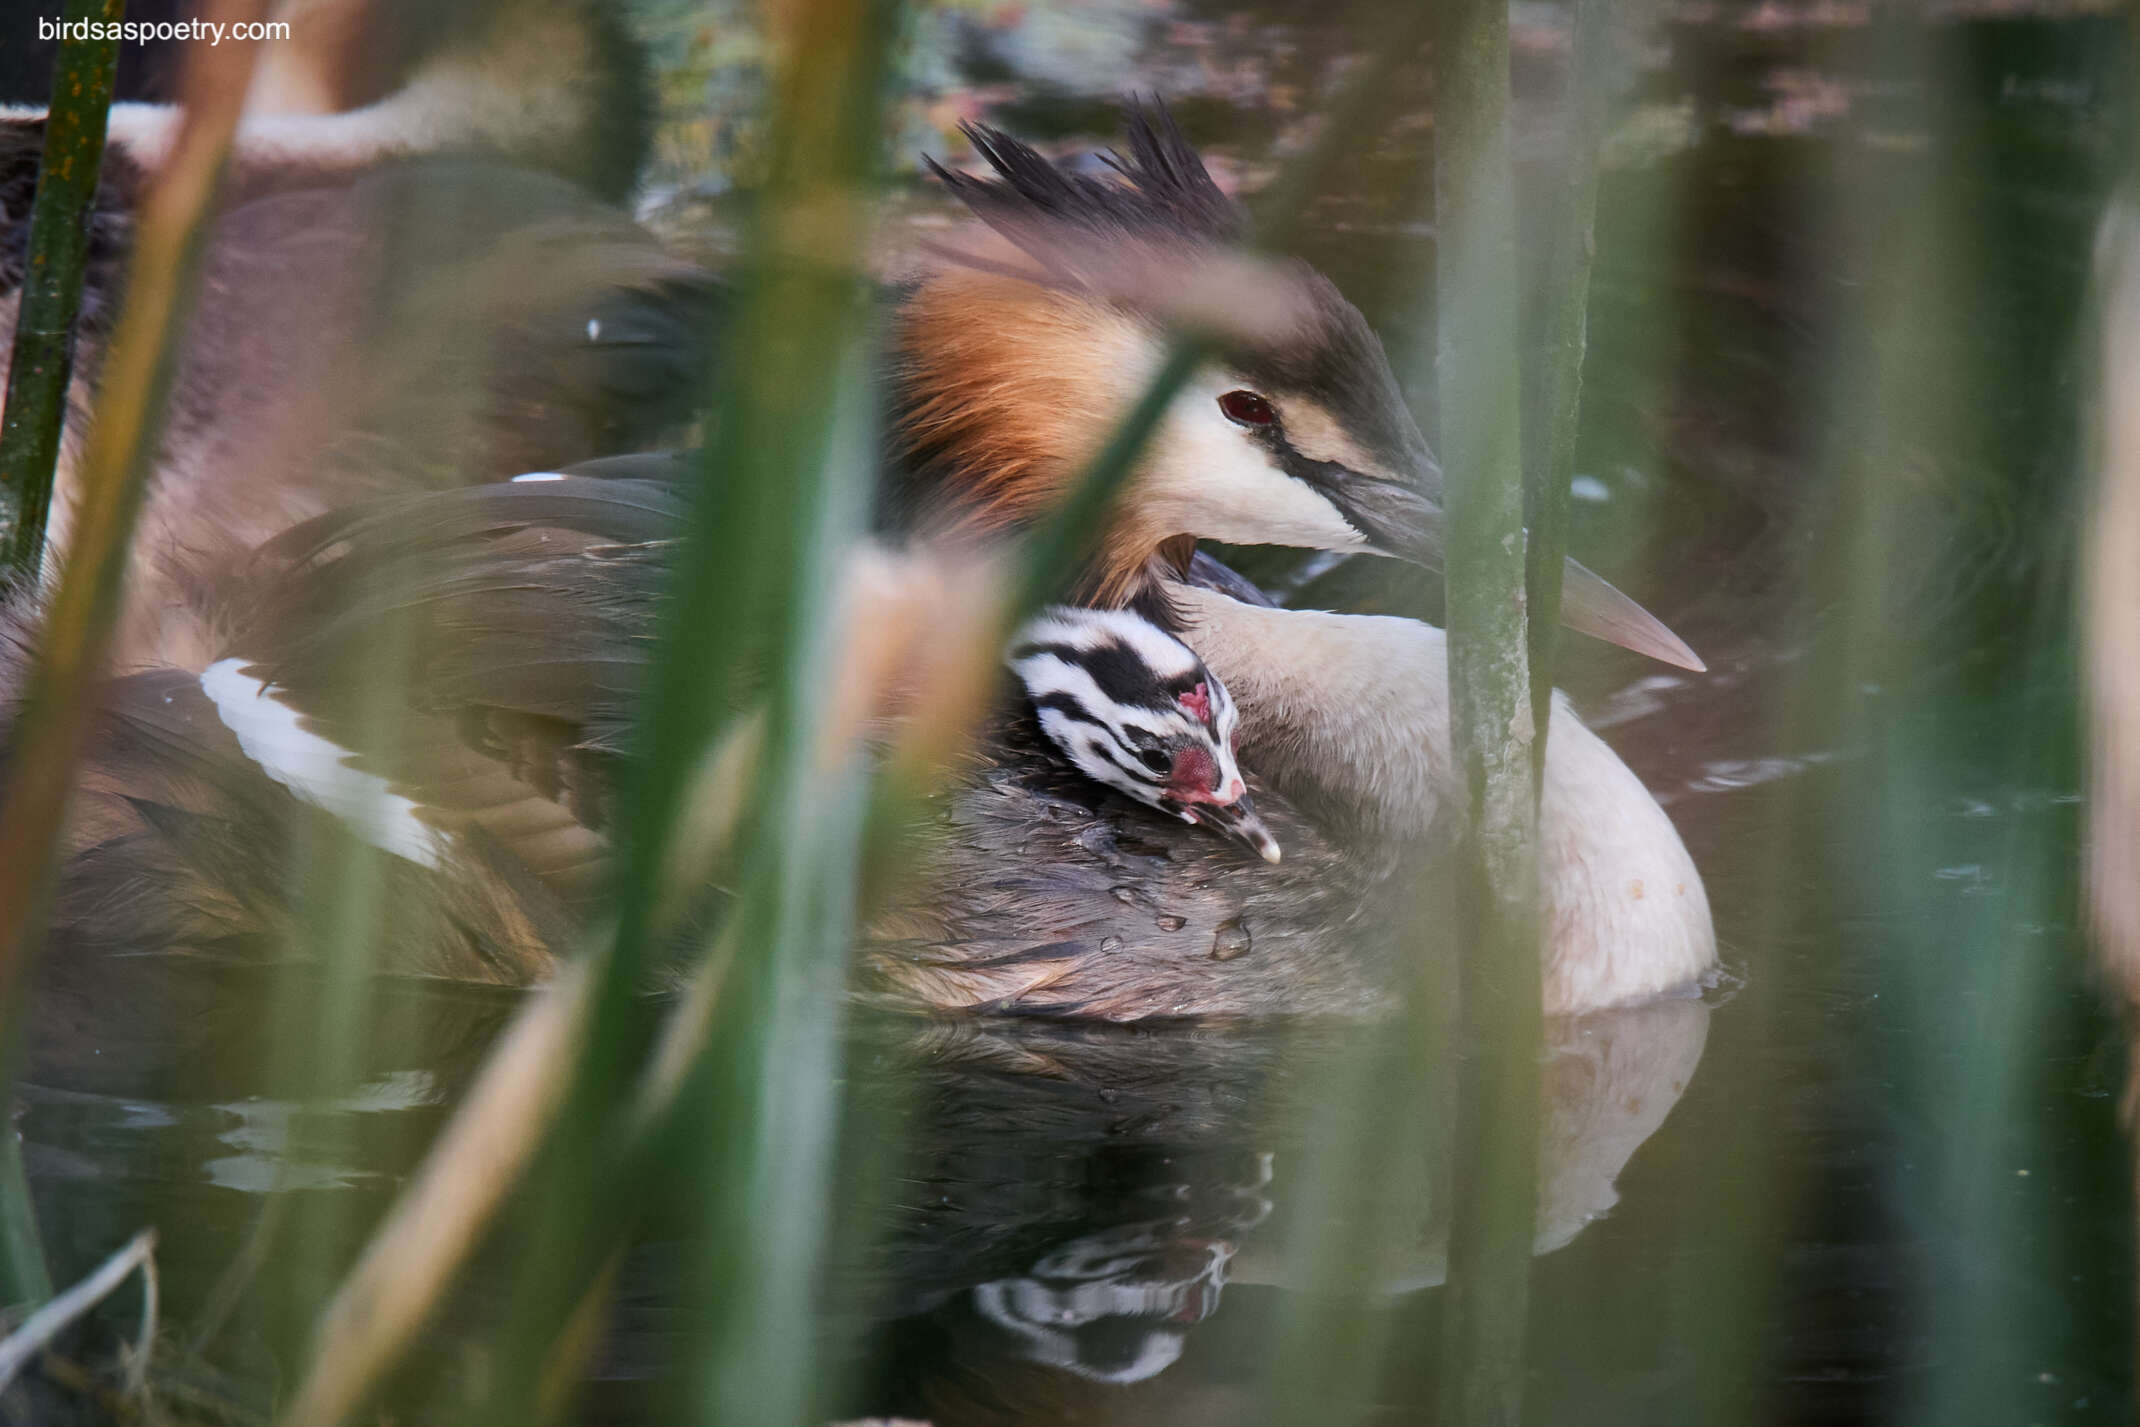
(1118,672)
(1069,706)
(1080,716)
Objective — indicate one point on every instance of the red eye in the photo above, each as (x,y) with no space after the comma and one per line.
(1247,408)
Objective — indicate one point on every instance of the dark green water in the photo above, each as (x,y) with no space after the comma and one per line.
(1833,434)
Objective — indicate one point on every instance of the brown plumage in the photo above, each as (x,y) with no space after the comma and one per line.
(1014,387)
(177,844)
(1017,350)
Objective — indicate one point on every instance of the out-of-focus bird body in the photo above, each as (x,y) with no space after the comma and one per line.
(427,286)
(517,616)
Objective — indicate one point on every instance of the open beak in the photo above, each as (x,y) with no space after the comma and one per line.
(1398,520)
(1239,821)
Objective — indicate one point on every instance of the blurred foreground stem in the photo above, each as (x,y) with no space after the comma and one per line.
(1553,385)
(42,364)
(53,722)
(39,370)
(24,1276)
(749,590)
(1496,1147)
(53,726)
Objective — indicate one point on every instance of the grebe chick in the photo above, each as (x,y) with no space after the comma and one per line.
(1134,708)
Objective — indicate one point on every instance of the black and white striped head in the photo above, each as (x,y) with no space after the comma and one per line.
(1134,708)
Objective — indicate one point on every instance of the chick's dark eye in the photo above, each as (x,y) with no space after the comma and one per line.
(1247,409)
(1146,749)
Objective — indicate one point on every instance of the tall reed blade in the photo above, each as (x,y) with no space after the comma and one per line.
(40,370)
(1494,1163)
(52,727)
(53,721)
(1553,379)
(783,493)
(24,1276)
(42,364)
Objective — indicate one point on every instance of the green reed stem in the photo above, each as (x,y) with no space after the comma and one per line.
(770,1075)
(53,724)
(750,555)
(1494,1192)
(42,365)
(24,1275)
(1553,387)
(783,493)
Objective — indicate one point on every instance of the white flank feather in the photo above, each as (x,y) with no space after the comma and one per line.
(317,771)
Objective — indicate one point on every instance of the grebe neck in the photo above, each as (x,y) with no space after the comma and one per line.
(1348,716)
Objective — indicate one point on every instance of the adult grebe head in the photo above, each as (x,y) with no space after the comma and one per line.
(1021,349)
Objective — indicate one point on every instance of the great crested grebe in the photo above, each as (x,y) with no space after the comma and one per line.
(1133,708)
(1298,437)
(1012,366)
(522,607)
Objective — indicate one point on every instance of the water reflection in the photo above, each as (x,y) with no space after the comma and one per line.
(1069,1208)
(1113,1305)
(1078,1202)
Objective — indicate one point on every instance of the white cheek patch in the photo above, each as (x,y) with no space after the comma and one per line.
(1210,478)
(1229,768)
(315,770)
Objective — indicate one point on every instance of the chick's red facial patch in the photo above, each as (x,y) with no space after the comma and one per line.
(1195,771)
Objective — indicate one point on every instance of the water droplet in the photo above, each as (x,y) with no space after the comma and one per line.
(1125,895)
(1172,923)
(1110,943)
(1230,940)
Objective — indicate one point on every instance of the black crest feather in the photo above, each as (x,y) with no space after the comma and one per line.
(1161,190)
